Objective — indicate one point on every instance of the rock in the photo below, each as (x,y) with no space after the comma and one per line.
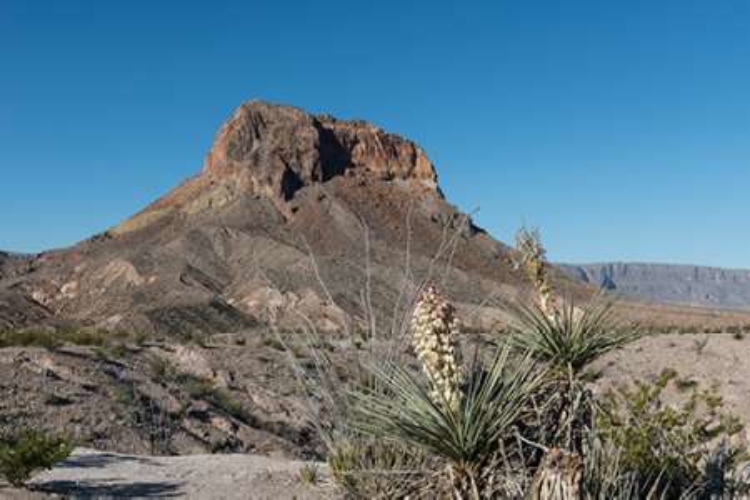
(277,150)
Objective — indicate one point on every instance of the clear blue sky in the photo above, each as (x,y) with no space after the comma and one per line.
(620,128)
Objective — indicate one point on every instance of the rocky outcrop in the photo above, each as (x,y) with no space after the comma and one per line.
(276,150)
(683,284)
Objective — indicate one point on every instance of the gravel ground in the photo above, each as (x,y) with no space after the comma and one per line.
(94,474)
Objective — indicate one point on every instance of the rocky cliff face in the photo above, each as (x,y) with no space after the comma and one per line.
(275,151)
(278,150)
(694,285)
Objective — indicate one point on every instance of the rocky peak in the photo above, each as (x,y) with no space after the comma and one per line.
(276,150)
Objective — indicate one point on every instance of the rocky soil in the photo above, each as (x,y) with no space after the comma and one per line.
(51,390)
(160,398)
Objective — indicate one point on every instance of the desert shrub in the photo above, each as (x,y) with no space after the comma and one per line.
(604,476)
(52,339)
(222,399)
(372,468)
(31,338)
(672,448)
(308,474)
(28,451)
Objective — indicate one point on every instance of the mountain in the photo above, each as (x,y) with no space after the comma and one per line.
(679,284)
(285,203)
(297,219)
(294,218)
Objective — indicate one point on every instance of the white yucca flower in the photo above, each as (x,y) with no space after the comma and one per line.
(434,331)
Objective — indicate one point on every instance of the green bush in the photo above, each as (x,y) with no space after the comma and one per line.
(670,448)
(29,451)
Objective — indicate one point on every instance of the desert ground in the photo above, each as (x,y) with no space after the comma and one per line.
(714,360)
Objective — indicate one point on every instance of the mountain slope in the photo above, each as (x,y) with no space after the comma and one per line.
(231,247)
(681,284)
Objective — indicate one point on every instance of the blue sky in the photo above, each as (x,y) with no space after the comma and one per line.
(620,128)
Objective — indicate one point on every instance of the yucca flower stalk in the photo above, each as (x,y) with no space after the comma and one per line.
(534,263)
(434,331)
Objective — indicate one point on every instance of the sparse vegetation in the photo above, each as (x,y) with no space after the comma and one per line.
(700,344)
(28,451)
(308,474)
(673,449)
(206,390)
(518,419)
(52,339)
(370,468)
(274,343)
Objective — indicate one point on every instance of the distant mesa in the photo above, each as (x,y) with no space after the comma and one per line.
(679,284)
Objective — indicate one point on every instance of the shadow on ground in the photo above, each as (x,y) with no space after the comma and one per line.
(109,489)
(101,460)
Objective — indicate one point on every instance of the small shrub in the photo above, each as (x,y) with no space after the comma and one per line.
(685,384)
(309,474)
(274,344)
(57,400)
(29,451)
(33,338)
(163,370)
(700,345)
(370,468)
(668,446)
(204,389)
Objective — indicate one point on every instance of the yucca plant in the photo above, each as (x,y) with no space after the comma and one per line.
(467,433)
(570,339)
(567,340)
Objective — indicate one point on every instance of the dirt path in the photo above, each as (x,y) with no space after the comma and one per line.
(94,474)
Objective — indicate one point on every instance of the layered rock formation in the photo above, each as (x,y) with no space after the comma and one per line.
(681,284)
